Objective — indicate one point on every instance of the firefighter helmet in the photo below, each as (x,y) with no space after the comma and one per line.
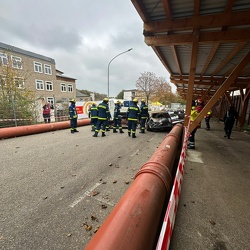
(135,100)
(142,100)
(73,100)
(105,99)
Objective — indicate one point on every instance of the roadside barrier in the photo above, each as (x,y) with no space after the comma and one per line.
(169,219)
(38,128)
(134,221)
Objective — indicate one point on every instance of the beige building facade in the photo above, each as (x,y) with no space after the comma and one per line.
(38,74)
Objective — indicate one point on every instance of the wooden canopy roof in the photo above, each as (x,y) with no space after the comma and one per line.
(204,45)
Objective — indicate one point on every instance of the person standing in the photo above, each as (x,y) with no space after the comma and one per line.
(93,114)
(103,115)
(46,113)
(132,115)
(191,139)
(143,116)
(117,118)
(229,120)
(73,116)
(207,119)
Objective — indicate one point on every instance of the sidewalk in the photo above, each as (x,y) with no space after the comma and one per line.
(214,206)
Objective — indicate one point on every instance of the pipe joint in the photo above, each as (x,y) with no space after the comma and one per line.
(158,169)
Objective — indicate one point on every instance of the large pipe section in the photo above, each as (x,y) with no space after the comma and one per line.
(38,128)
(134,221)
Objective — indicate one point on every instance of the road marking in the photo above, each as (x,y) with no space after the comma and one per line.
(194,156)
(137,151)
(87,193)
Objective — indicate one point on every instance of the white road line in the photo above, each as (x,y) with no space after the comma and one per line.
(137,151)
(87,193)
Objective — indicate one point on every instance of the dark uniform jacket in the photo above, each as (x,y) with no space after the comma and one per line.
(117,112)
(144,111)
(72,111)
(103,111)
(93,112)
(133,113)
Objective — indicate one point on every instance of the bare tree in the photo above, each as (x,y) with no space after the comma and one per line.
(146,84)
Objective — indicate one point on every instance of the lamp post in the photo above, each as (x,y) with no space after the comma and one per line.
(111,61)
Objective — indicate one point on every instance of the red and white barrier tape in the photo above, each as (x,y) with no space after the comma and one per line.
(168,223)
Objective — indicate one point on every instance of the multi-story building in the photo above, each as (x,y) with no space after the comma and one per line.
(39,74)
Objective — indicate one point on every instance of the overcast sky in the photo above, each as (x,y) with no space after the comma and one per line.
(83,36)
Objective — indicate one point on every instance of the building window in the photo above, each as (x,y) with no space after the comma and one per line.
(3,59)
(49,86)
(70,88)
(63,87)
(19,83)
(50,100)
(16,62)
(47,69)
(39,85)
(38,67)
(64,100)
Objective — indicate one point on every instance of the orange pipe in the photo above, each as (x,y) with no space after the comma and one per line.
(134,221)
(38,128)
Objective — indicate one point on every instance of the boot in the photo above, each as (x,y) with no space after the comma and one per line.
(121,132)
(142,131)
(95,134)
(129,133)
(133,135)
(93,129)
(103,134)
(114,130)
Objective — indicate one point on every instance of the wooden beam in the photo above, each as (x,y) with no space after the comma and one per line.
(139,6)
(176,59)
(210,57)
(236,18)
(167,9)
(242,35)
(223,88)
(192,71)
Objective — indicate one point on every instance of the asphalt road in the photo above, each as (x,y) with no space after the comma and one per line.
(56,188)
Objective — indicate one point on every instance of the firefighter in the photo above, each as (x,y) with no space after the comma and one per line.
(73,116)
(132,115)
(108,120)
(207,119)
(191,139)
(103,115)
(143,115)
(117,118)
(93,114)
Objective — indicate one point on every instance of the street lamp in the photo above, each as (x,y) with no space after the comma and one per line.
(111,61)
